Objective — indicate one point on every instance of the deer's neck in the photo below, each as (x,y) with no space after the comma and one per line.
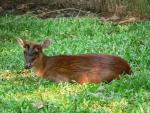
(40,65)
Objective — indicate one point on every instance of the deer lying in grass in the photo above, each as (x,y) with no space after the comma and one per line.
(87,68)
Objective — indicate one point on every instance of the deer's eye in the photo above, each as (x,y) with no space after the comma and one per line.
(35,53)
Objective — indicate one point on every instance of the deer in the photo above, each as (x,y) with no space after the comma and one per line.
(81,68)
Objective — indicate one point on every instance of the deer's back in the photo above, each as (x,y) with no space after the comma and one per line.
(85,68)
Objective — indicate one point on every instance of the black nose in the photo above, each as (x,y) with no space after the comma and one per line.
(27,66)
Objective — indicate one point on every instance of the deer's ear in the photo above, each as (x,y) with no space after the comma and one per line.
(21,42)
(45,44)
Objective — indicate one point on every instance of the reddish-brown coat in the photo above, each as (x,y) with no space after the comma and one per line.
(86,68)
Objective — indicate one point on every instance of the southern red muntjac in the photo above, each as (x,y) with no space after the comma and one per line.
(86,68)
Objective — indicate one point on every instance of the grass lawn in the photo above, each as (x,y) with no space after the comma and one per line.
(22,92)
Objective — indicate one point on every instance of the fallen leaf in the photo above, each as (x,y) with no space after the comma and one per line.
(38,105)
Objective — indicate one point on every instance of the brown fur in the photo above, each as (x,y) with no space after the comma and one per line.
(88,68)
(82,68)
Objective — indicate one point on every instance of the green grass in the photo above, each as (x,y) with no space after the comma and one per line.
(19,89)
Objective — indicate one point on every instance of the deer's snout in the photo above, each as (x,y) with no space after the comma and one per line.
(27,66)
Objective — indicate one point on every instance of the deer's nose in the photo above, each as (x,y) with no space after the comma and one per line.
(27,66)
